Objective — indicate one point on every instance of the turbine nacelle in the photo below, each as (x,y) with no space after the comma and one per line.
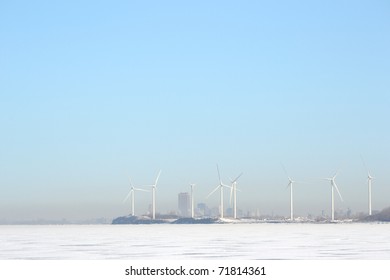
(290,183)
(235,180)
(233,188)
(154,186)
(290,180)
(132,191)
(369,177)
(334,185)
(218,187)
(132,194)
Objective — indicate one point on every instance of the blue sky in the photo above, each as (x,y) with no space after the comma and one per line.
(96,91)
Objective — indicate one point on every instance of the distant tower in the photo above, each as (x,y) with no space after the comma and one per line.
(184,204)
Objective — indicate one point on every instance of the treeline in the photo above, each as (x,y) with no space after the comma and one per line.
(383,216)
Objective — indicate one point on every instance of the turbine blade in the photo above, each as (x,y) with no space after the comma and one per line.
(337,189)
(231,195)
(142,190)
(213,191)
(237,177)
(158,176)
(127,196)
(365,166)
(219,176)
(288,185)
(131,185)
(364,163)
(285,171)
(226,186)
(284,168)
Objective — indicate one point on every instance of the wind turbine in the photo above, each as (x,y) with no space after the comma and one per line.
(132,194)
(192,200)
(290,185)
(154,186)
(369,179)
(333,186)
(233,192)
(220,187)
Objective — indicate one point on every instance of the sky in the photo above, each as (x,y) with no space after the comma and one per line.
(95,92)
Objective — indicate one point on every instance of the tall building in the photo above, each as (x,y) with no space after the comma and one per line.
(184,204)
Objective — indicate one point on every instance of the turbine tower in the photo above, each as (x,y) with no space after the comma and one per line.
(333,186)
(154,186)
(220,187)
(369,179)
(290,185)
(233,193)
(192,200)
(132,194)
(369,193)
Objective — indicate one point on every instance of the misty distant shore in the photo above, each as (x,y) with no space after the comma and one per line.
(382,216)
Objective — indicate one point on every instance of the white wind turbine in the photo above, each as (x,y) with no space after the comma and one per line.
(220,187)
(154,186)
(369,179)
(334,186)
(132,194)
(233,193)
(290,185)
(192,200)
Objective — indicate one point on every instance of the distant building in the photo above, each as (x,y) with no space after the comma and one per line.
(202,210)
(184,200)
(229,213)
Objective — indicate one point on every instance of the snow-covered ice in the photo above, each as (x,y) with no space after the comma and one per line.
(213,241)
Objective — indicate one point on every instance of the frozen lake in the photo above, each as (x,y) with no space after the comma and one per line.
(213,241)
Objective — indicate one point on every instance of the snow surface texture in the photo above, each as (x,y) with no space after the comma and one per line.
(215,241)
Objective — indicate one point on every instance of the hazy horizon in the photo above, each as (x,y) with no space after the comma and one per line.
(92,93)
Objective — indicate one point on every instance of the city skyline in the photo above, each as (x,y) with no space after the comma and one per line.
(229,205)
(259,209)
(92,93)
